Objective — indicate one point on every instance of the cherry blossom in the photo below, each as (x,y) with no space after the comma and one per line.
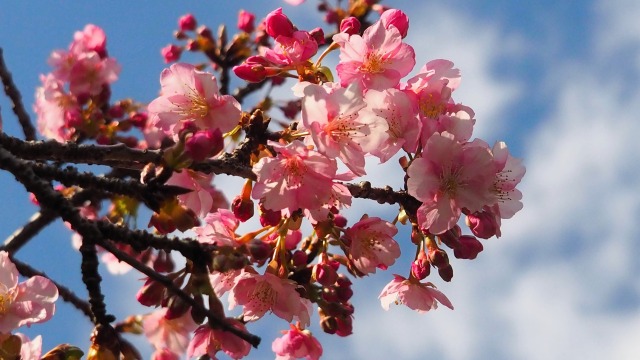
(208,341)
(204,198)
(331,114)
(219,228)
(261,293)
(377,60)
(26,303)
(371,245)
(509,172)
(221,282)
(52,103)
(450,176)
(296,344)
(399,112)
(189,94)
(418,296)
(172,334)
(296,178)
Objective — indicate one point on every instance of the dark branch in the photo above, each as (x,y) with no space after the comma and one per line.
(18,108)
(168,283)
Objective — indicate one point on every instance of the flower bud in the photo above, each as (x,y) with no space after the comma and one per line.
(259,250)
(204,144)
(176,307)
(329,324)
(344,293)
(163,262)
(350,25)
(397,19)
(299,258)
(171,53)
(329,294)
(187,22)
(139,120)
(151,293)
(340,221)
(483,224)
(269,217)
(420,267)
(246,21)
(345,326)
(451,236)
(446,273)
(325,274)
(317,34)
(438,257)
(242,208)
(73,118)
(469,248)
(278,24)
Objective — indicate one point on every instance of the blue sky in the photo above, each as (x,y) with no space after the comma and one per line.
(558,81)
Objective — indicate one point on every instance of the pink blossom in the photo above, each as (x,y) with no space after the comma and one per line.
(261,293)
(448,177)
(400,114)
(164,354)
(296,178)
(246,21)
(418,296)
(397,19)
(221,282)
(204,198)
(331,114)
(292,50)
(26,303)
(91,38)
(294,2)
(171,53)
(296,344)
(509,173)
(51,105)
(30,349)
(208,341)
(219,228)
(192,95)
(377,60)
(172,335)
(371,244)
(90,73)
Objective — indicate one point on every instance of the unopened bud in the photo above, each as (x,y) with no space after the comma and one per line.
(187,22)
(438,257)
(151,293)
(176,307)
(345,326)
(483,224)
(171,53)
(397,19)
(469,248)
(446,273)
(325,274)
(246,21)
(242,208)
(204,144)
(278,24)
(350,25)
(420,267)
(259,250)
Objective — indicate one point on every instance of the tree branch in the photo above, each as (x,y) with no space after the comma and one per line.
(18,108)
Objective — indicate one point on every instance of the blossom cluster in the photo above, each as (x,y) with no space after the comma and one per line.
(298,174)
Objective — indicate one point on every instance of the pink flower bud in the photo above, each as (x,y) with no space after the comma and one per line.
(278,24)
(397,19)
(171,53)
(204,144)
(299,258)
(259,250)
(420,267)
(73,118)
(350,25)
(151,293)
(438,257)
(187,22)
(317,34)
(469,248)
(483,224)
(242,208)
(246,21)
(451,236)
(446,273)
(269,217)
(176,307)
(331,17)
(345,326)
(344,293)
(340,221)
(325,274)
(139,120)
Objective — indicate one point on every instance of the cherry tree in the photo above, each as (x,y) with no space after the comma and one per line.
(283,245)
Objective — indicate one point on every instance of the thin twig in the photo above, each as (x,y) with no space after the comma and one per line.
(18,108)
(168,283)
